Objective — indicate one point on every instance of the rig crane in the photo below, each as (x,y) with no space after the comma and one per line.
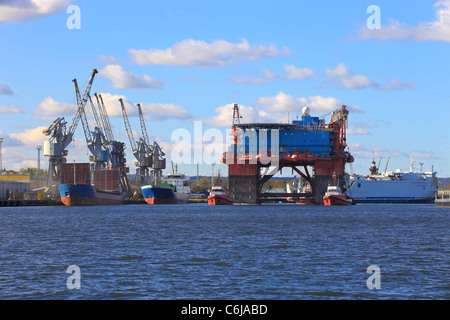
(61,136)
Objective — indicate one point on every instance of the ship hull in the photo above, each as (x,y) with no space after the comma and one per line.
(337,200)
(412,188)
(215,200)
(442,203)
(154,194)
(403,200)
(87,195)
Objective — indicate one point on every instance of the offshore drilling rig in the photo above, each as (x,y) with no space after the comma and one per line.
(260,150)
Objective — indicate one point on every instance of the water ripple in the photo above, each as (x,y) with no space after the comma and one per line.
(241,252)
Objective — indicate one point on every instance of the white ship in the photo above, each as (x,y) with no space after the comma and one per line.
(393,187)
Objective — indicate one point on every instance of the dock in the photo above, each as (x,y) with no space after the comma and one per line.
(442,199)
(30,203)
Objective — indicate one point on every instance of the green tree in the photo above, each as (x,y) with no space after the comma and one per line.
(197,188)
(279,184)
(205,183)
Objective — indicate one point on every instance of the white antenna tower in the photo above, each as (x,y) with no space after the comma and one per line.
(412,164)
(39,148)
(1,161)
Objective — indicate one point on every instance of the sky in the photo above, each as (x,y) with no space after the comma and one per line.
(187,62)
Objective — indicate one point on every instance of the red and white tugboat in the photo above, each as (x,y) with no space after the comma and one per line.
(335,197)
(218,196)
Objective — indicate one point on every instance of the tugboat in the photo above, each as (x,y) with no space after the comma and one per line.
(334,196)
(218,195)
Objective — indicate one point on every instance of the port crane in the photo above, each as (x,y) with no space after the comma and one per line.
(140,150)
(61,136)
(104,117)
(96,140)
(116,148)
(158,161)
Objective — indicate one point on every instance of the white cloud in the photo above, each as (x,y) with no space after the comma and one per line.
(162,111)
(127,80)
(343,77)
(357,131)
(396,85)
(110,59)
(51,107)
(275,109)
(9,141)
(377,152)
(31,137)
(423,155)
(340,76)
(154,111)
(356,147)
(218,53)
(267,76)
(10,109)
(112,105)
(438,30)
(18,10)
(16,159)
(362,127)
(293,72)
(4,89)
(283,103)
(19,149)
(224,117)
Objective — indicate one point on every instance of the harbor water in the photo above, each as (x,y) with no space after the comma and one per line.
(196,251)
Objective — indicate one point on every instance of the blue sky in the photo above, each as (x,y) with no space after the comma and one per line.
(187,61)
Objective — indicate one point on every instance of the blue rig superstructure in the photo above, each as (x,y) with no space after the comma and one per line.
(260,150)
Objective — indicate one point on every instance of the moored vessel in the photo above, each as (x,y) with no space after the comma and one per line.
(88,195)
(77,187)
(176,190)
(305,188)
(218,196)
(393,187)
(335,197)
(442,199)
